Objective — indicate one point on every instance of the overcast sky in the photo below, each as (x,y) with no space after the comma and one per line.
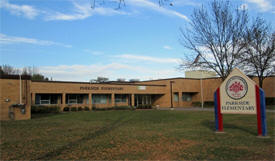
(67,40)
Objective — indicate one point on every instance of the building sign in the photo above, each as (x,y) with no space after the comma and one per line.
(141,87)
(238,94)
(101,88)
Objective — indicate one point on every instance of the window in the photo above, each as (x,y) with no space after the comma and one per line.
(100,98)
(120,98)
(176,97)
(45,99)
(186,96)
(74,98)
(44,102)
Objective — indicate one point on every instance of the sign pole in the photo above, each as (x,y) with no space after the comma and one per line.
(261,114)
(218,115)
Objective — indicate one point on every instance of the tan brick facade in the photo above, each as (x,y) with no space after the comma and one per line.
(159,93)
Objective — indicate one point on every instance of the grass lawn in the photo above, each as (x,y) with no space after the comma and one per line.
(136,135)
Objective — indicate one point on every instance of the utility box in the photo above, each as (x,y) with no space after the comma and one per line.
(12,107)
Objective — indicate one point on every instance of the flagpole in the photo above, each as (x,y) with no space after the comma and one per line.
(20,89)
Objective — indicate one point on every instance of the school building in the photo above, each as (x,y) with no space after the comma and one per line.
(19,94)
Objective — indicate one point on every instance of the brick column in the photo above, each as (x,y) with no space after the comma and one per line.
(59,100)
(113,100)
(33,99)
(180,99)
(63,100)
(90,101)
(132,100)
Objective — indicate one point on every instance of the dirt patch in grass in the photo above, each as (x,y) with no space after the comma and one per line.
(162,148)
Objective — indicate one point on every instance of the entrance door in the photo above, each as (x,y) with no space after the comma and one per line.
(143,100)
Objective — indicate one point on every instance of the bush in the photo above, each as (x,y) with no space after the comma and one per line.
(140,107)
(66,109)
(114,108)
(123,108)
(103,109)
(205,104)
(44,109)
(86,108)
(196,104)
(74,109)
(94,108)
(145,106)
(270,100)
(209,104)
(79,109)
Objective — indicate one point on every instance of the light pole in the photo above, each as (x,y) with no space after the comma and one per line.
(201,90)
(20,89)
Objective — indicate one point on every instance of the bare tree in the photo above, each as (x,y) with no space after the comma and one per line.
(99,80)
(214,38)
(30,71)
(40,77)
(121,80)
(134,80)
(259,56)
(9,70)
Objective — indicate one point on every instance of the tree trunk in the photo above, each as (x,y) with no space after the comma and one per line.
(261,81)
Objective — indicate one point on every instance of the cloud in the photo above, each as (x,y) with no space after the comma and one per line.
(167,47)
(85,72)
(186,3)
(20,10)
(148,58)
(155,7)
(5,39)
(95,53)
(82,11)
(111,71)
(264,5)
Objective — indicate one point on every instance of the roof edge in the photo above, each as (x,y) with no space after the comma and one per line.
(23,77)
(105,83)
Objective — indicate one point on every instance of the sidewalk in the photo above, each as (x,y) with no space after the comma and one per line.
(196,109)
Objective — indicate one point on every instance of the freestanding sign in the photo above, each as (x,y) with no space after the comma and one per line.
(238,94)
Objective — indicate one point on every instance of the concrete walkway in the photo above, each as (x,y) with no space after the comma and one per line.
(197,109)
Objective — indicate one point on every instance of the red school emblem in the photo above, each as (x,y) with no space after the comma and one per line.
(236,87)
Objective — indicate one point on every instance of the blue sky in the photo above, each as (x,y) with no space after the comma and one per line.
(67,40)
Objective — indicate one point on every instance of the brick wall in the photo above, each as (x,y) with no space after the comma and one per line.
(159,88)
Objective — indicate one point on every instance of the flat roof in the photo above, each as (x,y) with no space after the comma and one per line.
(106,83)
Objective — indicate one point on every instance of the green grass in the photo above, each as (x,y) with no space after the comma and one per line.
(136,135)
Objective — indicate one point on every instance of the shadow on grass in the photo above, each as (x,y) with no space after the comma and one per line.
(91,135)
(211,125)
(36,116)
(208,124)
(244,129)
